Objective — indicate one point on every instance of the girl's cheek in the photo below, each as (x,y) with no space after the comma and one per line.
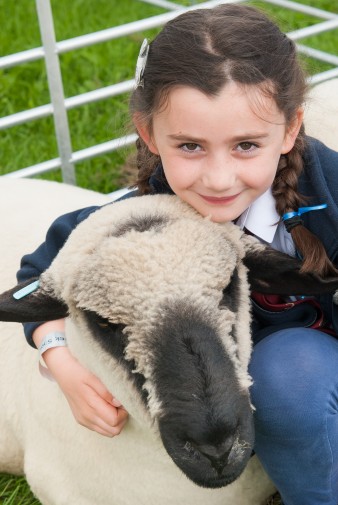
(179,176)
(261,175)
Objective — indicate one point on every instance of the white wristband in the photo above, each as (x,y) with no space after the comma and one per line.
(53,339)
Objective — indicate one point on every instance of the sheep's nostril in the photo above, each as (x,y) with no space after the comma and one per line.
(217,462)
(218,455)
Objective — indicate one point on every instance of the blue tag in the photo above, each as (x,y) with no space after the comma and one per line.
(302,210)
(27,290)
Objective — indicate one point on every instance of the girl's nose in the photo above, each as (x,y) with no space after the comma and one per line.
(219,174)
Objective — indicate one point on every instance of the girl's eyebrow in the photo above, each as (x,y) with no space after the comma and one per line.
(250,135)
(237,138)
(186,137)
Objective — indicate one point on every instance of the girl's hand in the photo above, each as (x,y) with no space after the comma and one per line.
(93,406)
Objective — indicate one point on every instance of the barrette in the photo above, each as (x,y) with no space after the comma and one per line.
(141,64)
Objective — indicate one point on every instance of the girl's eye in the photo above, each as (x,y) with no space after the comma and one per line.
(246,147)
(190,147)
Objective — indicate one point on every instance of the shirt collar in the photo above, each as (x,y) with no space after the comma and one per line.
(261,218)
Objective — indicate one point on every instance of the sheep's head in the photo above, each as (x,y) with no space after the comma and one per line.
(163,294)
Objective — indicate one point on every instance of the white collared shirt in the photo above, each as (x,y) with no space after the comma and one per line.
(261,219)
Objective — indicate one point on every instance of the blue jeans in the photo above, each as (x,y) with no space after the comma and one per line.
(295,393)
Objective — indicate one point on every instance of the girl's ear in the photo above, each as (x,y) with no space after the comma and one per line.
(292,131)
(144,132)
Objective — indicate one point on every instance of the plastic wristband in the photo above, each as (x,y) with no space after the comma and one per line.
(53,339)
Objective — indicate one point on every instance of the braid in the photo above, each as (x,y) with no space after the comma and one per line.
(146,163)
(285,192)
(284,188)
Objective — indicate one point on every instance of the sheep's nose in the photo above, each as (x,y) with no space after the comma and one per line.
(218,455)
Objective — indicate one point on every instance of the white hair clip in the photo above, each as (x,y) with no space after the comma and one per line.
(141,64)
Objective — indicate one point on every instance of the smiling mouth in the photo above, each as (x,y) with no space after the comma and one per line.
(219,200)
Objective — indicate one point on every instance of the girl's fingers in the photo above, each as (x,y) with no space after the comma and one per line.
(104,428)
(110,431)
(102,416)
(101,390)
(93,406)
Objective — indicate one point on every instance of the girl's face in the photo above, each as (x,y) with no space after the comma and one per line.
(219,154)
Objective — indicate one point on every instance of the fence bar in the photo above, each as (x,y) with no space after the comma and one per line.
(82,155)
(324,76)
(39,168)
(318,55)
(314,29)
(56,89)
(104,148)
(305,9)
(22,57)
(70,103)
(100,94)
(171,6)
(25,116)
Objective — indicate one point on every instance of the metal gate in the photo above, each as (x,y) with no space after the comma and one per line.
(51,50)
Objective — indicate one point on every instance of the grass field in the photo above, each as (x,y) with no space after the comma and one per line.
(25,87)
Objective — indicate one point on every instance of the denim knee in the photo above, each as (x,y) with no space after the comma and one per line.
(295,376)
(295,395)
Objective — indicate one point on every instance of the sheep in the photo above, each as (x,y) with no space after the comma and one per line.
(321,113)
(158,304)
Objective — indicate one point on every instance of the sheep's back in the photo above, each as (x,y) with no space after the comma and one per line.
(27,208)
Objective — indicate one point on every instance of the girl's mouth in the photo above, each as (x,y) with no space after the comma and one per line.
(215,200)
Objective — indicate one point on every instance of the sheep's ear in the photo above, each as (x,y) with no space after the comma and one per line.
(34,306)
(273,272)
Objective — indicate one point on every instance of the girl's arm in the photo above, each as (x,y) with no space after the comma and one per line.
(93,406)
(33,264)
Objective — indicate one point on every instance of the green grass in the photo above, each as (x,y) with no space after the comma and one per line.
(14,491)
(25,87)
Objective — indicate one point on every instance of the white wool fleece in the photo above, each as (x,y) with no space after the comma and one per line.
(130,278)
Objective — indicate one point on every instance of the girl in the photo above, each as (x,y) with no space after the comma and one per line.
(218,109)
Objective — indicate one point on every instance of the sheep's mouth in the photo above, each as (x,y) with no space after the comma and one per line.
(204,473)
(211,466)
(217,482)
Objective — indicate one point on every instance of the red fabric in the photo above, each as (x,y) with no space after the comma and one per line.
(276,303)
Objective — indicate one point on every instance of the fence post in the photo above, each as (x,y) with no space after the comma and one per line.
(56,89)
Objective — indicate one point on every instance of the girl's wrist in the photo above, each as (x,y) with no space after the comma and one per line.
(51,340)
(45,328)
(55,355)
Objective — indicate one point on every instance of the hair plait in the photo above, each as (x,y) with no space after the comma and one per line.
(284,190)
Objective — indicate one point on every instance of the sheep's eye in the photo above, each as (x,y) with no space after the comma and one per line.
(103,324)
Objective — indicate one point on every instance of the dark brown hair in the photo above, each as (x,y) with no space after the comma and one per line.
(205,49)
